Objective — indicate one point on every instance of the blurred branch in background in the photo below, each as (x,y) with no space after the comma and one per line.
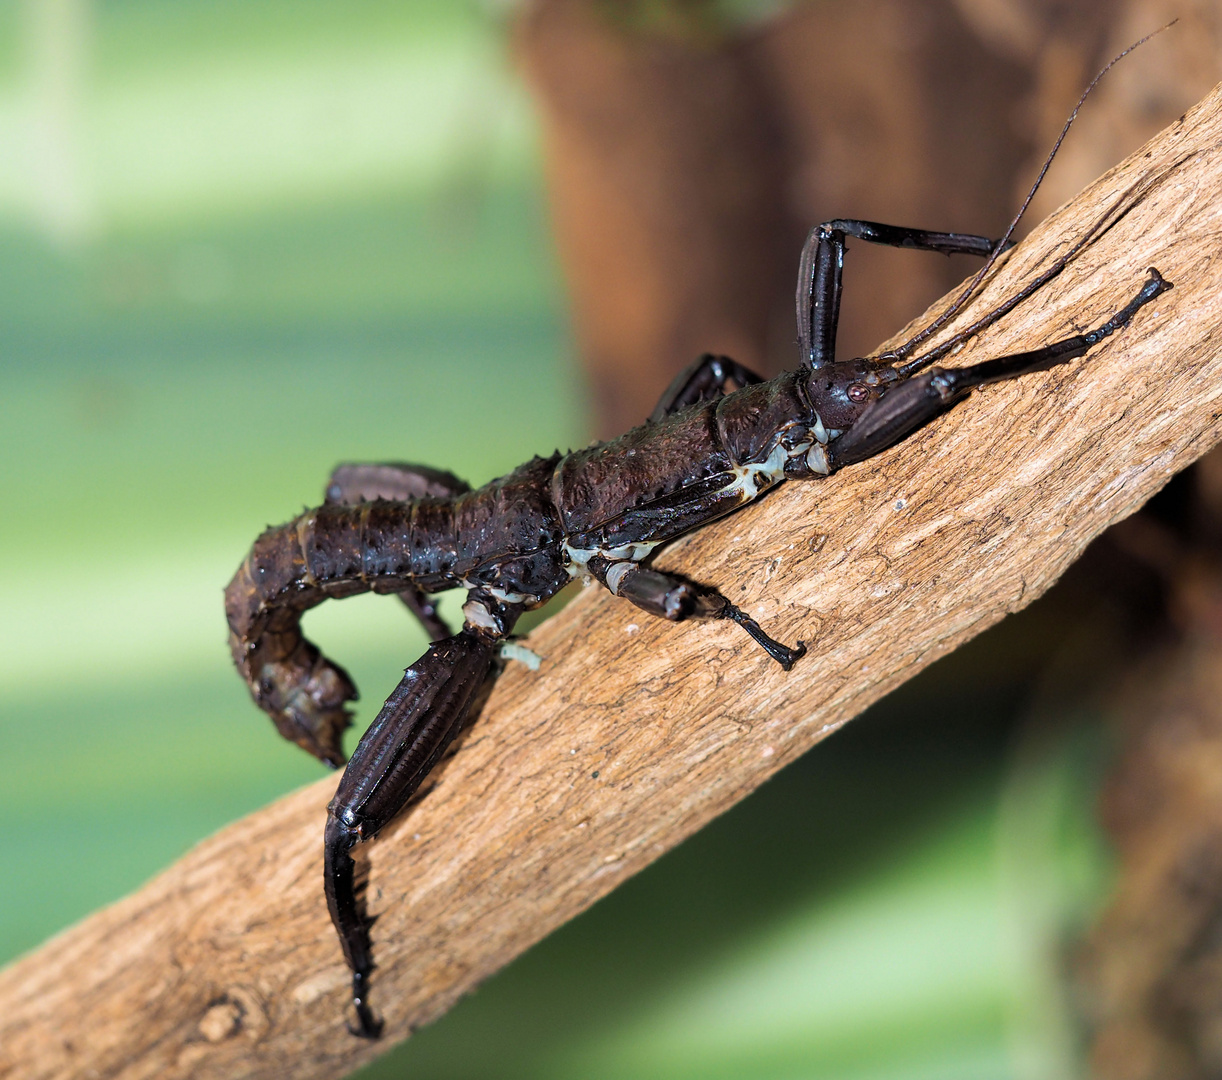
(666,177)
(1150,977)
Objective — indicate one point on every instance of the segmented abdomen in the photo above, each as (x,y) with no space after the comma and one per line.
(504,537)
(327,553)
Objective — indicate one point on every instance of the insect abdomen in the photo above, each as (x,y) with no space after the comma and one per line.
(595,485)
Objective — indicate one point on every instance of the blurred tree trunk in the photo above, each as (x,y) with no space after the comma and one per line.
(667,180)
(1151,973)
(687,154)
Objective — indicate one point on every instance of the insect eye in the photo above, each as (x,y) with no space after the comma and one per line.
(858,392)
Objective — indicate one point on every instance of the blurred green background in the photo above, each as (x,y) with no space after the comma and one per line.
(242,240)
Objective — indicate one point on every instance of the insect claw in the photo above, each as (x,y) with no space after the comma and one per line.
(782,654)
(795,654)
(786,656)
(1157,281)
(370,1028)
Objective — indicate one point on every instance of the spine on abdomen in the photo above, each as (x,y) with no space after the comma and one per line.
(327,553)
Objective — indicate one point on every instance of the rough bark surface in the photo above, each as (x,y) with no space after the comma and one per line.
(633,734)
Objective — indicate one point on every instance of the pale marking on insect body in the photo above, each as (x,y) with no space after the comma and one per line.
(579,557)
(817,460)
(505,596)
(479,616)
(615,575)
(750,481)
(514,650)
(819,431)
(305,528)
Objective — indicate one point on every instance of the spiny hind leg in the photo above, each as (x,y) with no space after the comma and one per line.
(356,483)
(673,598)
(406,740)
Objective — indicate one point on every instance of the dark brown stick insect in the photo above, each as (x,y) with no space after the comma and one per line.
(597,513)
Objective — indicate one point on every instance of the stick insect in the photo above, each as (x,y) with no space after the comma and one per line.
(596,514)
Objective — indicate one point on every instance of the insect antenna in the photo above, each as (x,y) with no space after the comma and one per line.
(1009,304)
(973,286)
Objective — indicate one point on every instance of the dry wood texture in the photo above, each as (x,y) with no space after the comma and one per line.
(633,734)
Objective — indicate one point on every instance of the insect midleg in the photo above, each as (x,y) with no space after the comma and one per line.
(702,380)
(673,598)
(919,399)
(819,273)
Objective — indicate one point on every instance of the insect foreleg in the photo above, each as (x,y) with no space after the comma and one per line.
(413,730)
(671,597)
(351,484)
(702,380)
(918,400)
(819,274)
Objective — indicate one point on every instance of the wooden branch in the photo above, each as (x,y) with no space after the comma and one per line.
(633,734)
